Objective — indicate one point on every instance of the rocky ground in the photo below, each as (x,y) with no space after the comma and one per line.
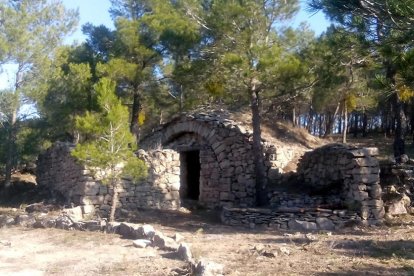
(386,250)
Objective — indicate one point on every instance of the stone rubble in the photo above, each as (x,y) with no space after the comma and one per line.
(397,181)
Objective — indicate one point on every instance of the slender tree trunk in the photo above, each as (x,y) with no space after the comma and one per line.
(340,124)
(260,170)
(181,99)
(294,116)
(330,120)
(345,123)
(320,124)
(136,109)
(400,119)
(310,120)
(399,136)
(114,203)
(11,152)
(364,124)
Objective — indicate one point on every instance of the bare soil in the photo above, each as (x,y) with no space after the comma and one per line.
(354,251)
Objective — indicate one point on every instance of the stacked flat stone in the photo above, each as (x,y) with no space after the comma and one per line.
(58,170)
(227,176)
(289,219)
(302,200)
(355,170)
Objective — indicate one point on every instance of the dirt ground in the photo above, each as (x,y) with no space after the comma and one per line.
(354,251)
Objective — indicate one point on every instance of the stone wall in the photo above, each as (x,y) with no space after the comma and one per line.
(397,182)
(354,172)
(289,218)
(334,185)
(227,176)
(58,171)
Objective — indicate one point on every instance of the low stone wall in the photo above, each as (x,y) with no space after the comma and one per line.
(335,185)
(289,218)
(354,172)
(279,199)
(58,171)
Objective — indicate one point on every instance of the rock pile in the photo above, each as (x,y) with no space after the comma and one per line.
(397,181)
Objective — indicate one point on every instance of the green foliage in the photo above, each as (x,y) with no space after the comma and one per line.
(108,146)
(30,31)
(69,93)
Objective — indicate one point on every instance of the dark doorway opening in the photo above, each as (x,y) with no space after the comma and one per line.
(190,174)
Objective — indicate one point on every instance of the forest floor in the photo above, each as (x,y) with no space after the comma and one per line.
(385,250)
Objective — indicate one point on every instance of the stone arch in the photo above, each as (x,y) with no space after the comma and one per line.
(227,170)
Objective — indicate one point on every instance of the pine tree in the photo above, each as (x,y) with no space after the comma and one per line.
(108,150)
(30,30)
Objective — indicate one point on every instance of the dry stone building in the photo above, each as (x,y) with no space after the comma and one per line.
(208,160)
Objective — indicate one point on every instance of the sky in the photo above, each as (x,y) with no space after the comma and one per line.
(96,12)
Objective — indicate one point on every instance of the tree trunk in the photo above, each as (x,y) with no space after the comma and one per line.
(340,124)
(11,152)
(310,120)
(356,118)
(399,136)
(400,119)
(136,109)
(364,124)
(345,124)
(294,116)
(260,170)
(320,125)
(114,201)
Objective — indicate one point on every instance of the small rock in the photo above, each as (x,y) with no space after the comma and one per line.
(404,158)
(141,243)
(325,224)
(112,227)
(88,209)
(284,250)
(146,231)
(74,213)
(44,223)
(399,207)
(64,222)
(184,252)
(164,242)
(129,230)
(25,220)
(208,268)
(6,220)
(302,225)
